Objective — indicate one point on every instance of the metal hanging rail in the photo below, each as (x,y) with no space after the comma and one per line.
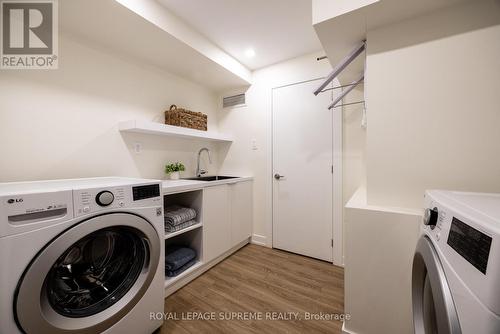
(338,87)
(347,104)
(341,66)
(347,91)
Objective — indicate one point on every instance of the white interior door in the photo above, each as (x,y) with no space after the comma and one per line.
(303,157)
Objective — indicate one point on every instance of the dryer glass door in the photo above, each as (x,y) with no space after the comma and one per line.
(88,277)
(433,308)
(428,308)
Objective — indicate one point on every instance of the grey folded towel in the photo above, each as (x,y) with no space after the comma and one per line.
(176,215)
(177,256)
(174,228)
(173,273)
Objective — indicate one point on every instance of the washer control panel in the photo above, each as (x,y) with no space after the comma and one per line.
(104,198)
(94,200)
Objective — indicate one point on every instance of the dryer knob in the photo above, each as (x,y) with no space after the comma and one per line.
(104,198)
(431,217)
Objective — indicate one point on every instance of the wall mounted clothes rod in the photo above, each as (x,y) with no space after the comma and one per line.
(347,91)
(338,87)
(347,104)
(341,66)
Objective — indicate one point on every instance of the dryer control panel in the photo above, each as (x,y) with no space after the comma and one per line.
(472,244)
(467,238)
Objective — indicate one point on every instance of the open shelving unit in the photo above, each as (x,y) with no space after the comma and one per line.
(171,280)
(191,236)
(159,129)
(192,239)
(169,235)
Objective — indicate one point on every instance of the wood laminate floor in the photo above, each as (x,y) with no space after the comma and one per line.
(264,285)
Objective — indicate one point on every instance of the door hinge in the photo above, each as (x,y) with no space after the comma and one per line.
(332,243)
(332,169)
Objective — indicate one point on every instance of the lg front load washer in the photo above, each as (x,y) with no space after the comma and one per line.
(456,267)
(81,256)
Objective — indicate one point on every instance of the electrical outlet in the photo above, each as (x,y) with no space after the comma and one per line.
(254,144)
(137,148)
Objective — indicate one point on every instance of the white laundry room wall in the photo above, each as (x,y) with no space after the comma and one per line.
(63,123)
(433,112)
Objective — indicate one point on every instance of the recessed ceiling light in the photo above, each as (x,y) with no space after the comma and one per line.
(250,53)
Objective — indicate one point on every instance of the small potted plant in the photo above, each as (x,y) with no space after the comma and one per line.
(173,170)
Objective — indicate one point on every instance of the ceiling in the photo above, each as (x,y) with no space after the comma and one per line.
(275,29)
(126,37)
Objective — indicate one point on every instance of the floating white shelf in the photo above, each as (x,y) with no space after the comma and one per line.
(159,129)
(171,280)
(187,229)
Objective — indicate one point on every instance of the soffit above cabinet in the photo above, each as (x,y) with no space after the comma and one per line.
(147,32)
(343,24)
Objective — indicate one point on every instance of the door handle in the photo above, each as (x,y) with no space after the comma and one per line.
(278,177)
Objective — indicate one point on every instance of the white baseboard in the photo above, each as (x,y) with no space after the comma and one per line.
(260,240)
(345,331)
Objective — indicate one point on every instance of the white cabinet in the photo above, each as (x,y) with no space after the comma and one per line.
(241,198)
(224,222)
(216,222)
(227,217)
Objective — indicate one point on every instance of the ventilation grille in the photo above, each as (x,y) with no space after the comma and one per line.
(232,101)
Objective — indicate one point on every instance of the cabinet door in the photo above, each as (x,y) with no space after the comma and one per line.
(241,211)
(216,222)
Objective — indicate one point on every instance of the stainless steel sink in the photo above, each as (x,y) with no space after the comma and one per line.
(211,178)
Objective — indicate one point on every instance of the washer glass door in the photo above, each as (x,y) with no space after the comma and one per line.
(95,272)
(88,277)
(433,307)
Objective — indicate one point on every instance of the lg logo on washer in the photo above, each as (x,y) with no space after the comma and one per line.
(15,200)
(29,34)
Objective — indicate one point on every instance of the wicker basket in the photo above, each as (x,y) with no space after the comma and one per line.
(186,118)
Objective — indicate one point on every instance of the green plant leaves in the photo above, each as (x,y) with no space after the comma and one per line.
(174,167)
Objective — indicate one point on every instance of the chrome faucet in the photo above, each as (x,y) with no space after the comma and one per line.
(200,172)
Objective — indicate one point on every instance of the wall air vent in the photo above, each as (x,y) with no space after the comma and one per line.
(233,101)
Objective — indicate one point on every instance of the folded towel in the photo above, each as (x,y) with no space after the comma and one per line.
(176,215)
(173,273)
(178,256)
(174,228)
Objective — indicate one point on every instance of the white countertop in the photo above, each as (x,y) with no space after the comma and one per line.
(30,187)
(174,186)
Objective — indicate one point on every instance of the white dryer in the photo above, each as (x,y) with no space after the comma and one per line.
(81,256)
(456,267)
